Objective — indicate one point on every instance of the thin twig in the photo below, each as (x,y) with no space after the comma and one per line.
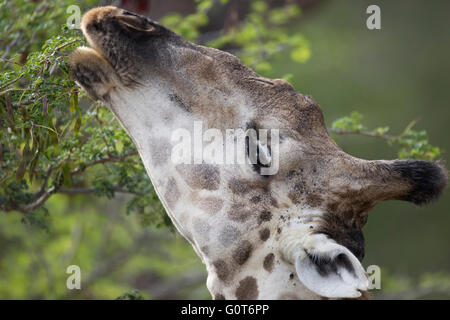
(375,134)
(92,190)
(364,133)
(103,160)
(36,204)
(10,83)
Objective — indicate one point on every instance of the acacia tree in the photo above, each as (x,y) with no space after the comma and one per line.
(55,139)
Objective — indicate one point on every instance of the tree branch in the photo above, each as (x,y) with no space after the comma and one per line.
(364,133)
(375,134)
(92,190)
(52,190)
(43,194)
(103,160)
(36,204)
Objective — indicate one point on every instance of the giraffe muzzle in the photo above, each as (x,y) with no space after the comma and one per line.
(322,265)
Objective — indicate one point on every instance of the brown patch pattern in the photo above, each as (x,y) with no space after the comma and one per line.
(228,235)
(264,234)
(222,271)
(265,216)
(242,252)
(314,200)
(247,289)
(211,204)
(200,176)
(238,186)
(268,262)
(239,212)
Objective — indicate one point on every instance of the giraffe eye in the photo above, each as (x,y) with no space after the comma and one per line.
(257,148)
(259,155)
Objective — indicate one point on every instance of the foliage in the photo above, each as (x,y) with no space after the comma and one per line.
(429,285)
(114,253)
(132,295)
(50,143)
(259,37)
(413,144)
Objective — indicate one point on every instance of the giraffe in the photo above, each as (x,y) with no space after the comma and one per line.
(295,234)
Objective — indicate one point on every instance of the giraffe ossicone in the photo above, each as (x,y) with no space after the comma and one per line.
(295,234)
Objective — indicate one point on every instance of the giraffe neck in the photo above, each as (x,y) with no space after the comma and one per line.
(233,224)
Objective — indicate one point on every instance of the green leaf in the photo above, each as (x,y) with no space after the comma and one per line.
(119,146)
(301,54)
(77,125)
(74,103)
(67,181)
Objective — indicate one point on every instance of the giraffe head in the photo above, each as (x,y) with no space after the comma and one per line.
(293,234)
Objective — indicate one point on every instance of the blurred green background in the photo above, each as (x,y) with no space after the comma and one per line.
(392,76)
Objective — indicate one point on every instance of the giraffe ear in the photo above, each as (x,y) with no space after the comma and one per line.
(330,269)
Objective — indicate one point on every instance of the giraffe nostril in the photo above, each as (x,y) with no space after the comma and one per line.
(348,235)
(354,241)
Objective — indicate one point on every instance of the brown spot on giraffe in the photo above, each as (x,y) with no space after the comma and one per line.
(264,234)
(247,289)
(266,198)
(222,270)
(314,200)
(239,212)
(242,252)
(239,186)
(200,176)
(228,235)
(268,262)
(211,205)
(265,216)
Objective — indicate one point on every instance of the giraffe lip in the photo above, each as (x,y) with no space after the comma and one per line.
(93,46)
